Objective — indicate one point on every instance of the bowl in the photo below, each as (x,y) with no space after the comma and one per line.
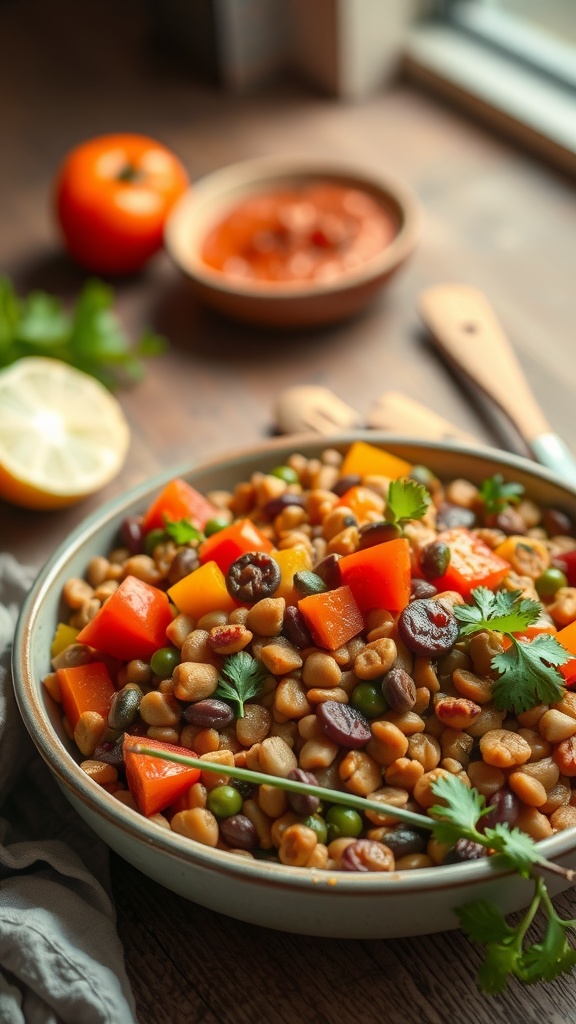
(296,303)
(301,900)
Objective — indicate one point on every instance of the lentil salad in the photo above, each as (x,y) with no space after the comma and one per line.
(380,713)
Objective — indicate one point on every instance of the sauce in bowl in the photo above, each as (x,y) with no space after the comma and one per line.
(314,233)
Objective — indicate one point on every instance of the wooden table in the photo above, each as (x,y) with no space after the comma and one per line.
(492,217)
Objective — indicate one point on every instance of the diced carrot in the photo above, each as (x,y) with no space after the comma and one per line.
(225,546)
(85,688)
(131,623)
(567,637)
(366,460)
(154,783)
(178,500)
(332,617)
(203,590)
(379,577)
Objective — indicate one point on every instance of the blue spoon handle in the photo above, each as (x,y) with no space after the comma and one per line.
(551,451)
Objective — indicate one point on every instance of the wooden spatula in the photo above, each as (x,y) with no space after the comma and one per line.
(467,333)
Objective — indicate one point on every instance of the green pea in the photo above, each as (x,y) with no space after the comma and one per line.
(343,821)
(368,699)
(164,661)
(550,581)
(224,801)
(216,524)
(285,473)
(423,475)
(153,538)
(318,825)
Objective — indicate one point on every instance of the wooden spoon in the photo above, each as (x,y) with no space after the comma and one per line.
(469,336)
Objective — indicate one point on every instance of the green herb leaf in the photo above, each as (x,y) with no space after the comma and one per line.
(529,674)
(241,678)
(406,500)
(460,811)
(501,960)
(514,848)
(496,493)
(484,922)
(505,611)
(182,531)
(546,960)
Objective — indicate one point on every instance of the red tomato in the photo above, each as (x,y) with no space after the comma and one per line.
(472,563)
(113,195)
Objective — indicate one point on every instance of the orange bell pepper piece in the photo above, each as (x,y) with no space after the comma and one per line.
(567,637)
(366,459)
(131,623)
(380,576)
(472,563)
(332,617)
(225,546)
(178,500)
(203,590)
(362,500)
(156,784)
(85,688)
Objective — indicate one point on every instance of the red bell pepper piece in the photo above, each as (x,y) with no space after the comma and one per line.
(85,688)
(472,563)
(567,637)
(332,617)
(178,501)
(567,563)
(379,577)
(156,784)
(131,623)
(225,546)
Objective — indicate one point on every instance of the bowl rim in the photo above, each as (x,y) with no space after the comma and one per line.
(33,709)
(248,176)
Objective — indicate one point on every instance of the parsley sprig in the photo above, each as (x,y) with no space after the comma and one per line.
(240,679)
(497,494)
(181,531)
(406,500)
(528,670)
(89,336)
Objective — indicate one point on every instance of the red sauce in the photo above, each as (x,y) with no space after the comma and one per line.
(313,233)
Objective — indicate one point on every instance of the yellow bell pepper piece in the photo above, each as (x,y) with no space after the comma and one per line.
(368,460)
(203,590)
(291,561)
(63,637)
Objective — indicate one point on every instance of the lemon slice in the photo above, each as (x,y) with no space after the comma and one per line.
(63,436)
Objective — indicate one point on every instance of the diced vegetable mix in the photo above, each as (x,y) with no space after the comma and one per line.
(349,621)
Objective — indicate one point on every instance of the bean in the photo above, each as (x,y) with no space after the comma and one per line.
(399,690)
(239,832)
(435,559)
(295,629)
(210,713)
(276,505)
(427,628)
(343,724)
(377,533)
(505,807)
(345,483)
(404,840)
(367,855)
(124,707)
(464,850)
(303,803)
(450,516)
(184,562)
(421,589)
(131,534)
(329,571)
(253,576)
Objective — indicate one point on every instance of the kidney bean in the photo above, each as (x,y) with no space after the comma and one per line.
(505,809)
(450,516)
(110,752)
(253,576)
(427,628)
(399,690)
(403,841)
(295,629)
(329,571)
(345,483)
(184,562)
(343,724)
(277,505)
(303,803)
(131,534)
(421,588)
(367,855)
(210,713)
(239,832)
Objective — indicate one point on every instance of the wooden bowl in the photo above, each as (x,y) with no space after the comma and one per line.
(286,304)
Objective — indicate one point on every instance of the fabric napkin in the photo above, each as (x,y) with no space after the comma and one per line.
(61,961)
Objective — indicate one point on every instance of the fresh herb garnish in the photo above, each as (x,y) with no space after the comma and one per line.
(240,679)
(88,337)
(406,500)
(497,494)
(181,531)
(528,670)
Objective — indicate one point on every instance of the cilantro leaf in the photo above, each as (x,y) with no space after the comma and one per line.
(514,848)
(528,674)
(406,500)
(501,960)
(240,679)
(460,811)
(505,611)
(544,961)
(483,922)
(496,493)
(182,531)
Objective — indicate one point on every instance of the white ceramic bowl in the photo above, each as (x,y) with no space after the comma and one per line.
(313,902)
(292,303)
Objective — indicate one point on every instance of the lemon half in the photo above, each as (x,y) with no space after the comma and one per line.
(63,436)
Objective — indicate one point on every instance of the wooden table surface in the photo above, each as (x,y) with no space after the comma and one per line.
(492,217)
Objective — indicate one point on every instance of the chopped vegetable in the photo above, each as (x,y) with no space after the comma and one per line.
(366,459)
(497,494)
(63,637)
(202,591)
(178,500)
(507,611)
(85,688)
(131,623)
(333,617)
(155,783)
(225,546)
(472,563)
(406,500)
(240,679)
(567,637)
(290,561)
(379,577)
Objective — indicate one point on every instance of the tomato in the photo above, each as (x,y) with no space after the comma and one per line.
(472,563)
(113,195)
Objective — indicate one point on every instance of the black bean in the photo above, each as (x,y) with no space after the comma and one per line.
(277,505)
(343,724)
(329,571)
(421,588)
(303,803)
(184,562)
(295,629)
(345,483)
(132,535)
(427,628)
(435,559)
(209,714)
(253,576)
(450,516)
(377,533)
(239,832)
(399,690)
(463,850)
(403,841)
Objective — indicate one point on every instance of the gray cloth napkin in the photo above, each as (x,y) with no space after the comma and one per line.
(61,961)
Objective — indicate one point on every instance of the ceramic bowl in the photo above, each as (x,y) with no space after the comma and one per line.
(313,902)
(286,304)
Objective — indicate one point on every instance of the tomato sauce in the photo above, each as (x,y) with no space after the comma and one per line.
(313,233)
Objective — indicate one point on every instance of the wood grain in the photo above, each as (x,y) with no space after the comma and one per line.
(491,217)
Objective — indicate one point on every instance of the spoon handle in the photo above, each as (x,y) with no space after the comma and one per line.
(468,334)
